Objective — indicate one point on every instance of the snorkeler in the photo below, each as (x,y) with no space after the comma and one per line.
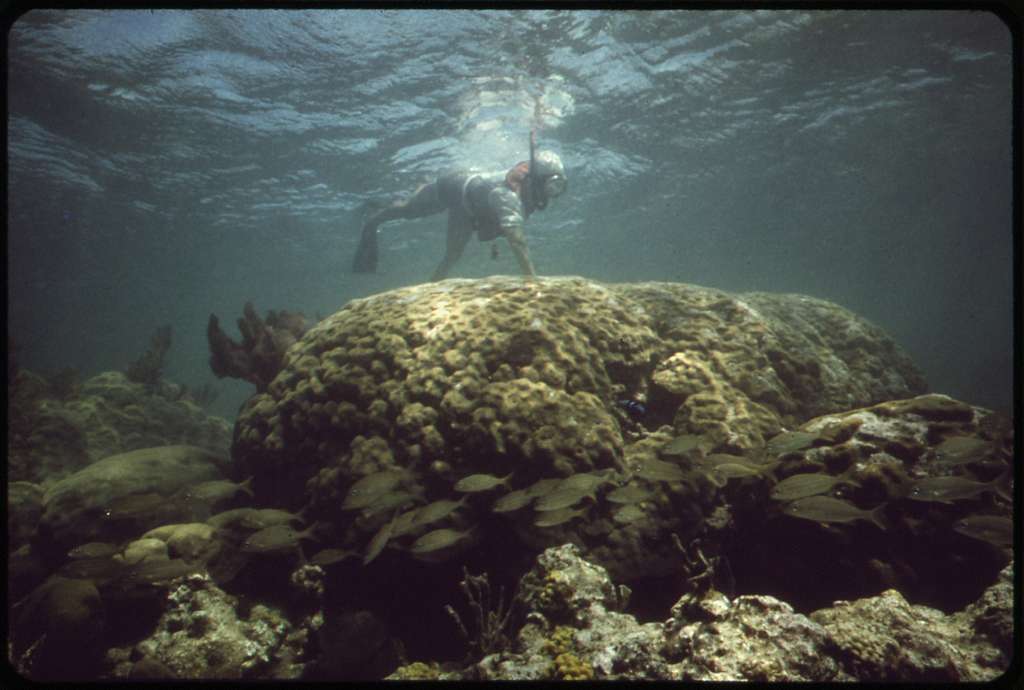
(489,204)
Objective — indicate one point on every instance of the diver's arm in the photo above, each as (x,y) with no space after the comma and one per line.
(508,211)
(518,244)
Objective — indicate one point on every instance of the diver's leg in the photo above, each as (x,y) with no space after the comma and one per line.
(460,229)
(423,202)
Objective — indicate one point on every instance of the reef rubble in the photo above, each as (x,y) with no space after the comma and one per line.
(574,629)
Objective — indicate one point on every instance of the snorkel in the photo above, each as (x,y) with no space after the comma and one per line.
(533,197)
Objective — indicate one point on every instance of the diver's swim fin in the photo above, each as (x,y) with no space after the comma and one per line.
(365,260)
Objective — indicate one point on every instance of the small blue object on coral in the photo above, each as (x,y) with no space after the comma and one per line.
(632,407)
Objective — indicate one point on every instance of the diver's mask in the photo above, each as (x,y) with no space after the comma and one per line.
(554,185)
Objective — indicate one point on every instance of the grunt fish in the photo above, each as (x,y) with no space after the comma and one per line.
(480,482)
(806,484)
(628,513)
(365,491)
(389,501)
(742,470)
(379,541)
(405,523)
(275,539)
(659,470)
(512,501)
(991,528)
(331,556)
(586,480)
(828,509)
(722,458)
(438,539)
(789,441)
(562,497)
(630,493)
(543,486)
(438,510)
(949,489)
(958,450)
(217,490)
(558,517)
(683,445)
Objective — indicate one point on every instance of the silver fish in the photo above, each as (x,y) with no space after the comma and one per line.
(406,523)
(659,470)
(438,510)
(828,509)
(558,517)
(628,514)
(542,487)
(562,498)
(388,501)
(631,493)
(275,539)
(949,489)
(437,540)
(365,491)
(683,445)
(261,518)
(379,541)
(742,470)
(991,528)
(512,501)
(331,556)
(959,450)
(789,441)
(806,484)
(217,490)
(480,482)
(586,480)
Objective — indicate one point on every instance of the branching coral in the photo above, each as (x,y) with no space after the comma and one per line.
(148,368)
(260,355)
(702,573)
(491,623)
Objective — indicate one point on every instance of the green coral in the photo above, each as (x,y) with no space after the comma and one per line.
(417,671)
(552,597)
(567,664)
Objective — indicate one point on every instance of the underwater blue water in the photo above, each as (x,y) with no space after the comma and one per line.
(167,164)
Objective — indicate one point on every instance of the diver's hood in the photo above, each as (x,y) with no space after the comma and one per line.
(547,175)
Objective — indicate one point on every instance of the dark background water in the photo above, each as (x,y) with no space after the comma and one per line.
(164,165)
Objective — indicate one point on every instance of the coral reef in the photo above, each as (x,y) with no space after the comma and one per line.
(495,376)
(709,636)
(260,355)
(882,450)
(761,470)
(149,367)
(203,635)
(108,414)
(77,509)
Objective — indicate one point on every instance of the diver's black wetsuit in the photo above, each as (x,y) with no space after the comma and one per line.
(476,202)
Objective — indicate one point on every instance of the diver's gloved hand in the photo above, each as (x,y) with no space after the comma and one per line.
(365,260)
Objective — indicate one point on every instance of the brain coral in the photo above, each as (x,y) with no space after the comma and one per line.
(499,375)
